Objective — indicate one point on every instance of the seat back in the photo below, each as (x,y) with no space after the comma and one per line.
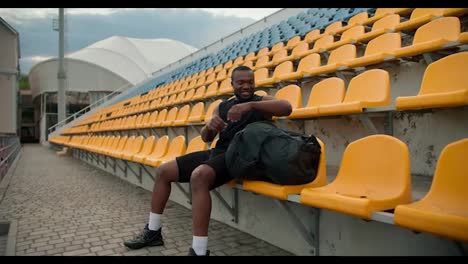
(333,27)
(261,74)
(176,148)
(420,12)
(283,68)
(261,93)
(312,36)
(321,178)
(212,89)
(353,33)
(323,42)
(160,148)
(446,75)
(293,42)
(226,87)
(263,60)
(161,117)
(121,144)
(371,87)
(183,113)
(387,22)
(279,55)
(128,144)
(448,189)
(342,54)
(446,28)
(137,145)
(188,95)
(383,43)
(376,166)
(171,115)
(291,93)
(153,118)
(148,146)
(358,19)
(300,48)
(196,144)
(328,91)
(209,111)
(198,112)
(199,93)
(310,61)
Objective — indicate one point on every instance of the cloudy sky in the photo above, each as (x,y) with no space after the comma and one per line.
(197,27)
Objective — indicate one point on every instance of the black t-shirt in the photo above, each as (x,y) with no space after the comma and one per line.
(232,128)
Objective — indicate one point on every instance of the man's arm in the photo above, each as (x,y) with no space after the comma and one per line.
(216,124)
(268,106)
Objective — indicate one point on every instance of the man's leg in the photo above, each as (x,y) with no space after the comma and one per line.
(151,235)
(203,177)
(167,173)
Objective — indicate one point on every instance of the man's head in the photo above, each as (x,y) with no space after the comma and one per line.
(243,82)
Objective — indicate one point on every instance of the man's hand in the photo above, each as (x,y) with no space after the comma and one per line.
(216,124)
(235,113)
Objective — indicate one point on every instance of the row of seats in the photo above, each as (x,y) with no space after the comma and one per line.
(442,211)
(376,52)
(443,85)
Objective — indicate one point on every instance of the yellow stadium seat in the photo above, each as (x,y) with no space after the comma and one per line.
(199,93)
(333,28)
(444,209)
(210,78)
(225,87)
(212,90)
(152,119)
(337,59)
(319,45)
(325,92)
(221,75)
(366,182)
(432,36)
(282,191)
(171,116)
(347,37)
(197,114)
(369,89)
(377,50)
(112,147)
(262,62)
(182,116)
(381,26)
(291,93)
(160,149)
(134,148)
(144,120)
(148,148)
(293,42)
(444,84)
(262,77)
(210,110)
(312,36)
(213,143)
(124,141)
(420,16)
(261,93)
(176,148)
(309,62)
(196,144)
(161,118)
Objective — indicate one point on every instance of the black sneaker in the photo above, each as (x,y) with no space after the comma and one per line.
(145,238)
(192,253)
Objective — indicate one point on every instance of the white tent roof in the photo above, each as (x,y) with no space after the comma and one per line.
(109,64)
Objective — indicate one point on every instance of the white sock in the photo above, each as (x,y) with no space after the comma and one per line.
(154,221)
(200,244)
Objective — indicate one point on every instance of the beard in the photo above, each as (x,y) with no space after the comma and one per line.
(241,99)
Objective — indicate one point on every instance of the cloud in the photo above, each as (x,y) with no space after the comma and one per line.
(195,27)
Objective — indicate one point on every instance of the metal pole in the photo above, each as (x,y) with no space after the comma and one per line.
(61,75)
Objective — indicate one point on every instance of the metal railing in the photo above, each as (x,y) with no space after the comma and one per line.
(88,108)
(9,149)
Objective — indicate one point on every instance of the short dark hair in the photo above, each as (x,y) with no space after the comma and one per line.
(240,68)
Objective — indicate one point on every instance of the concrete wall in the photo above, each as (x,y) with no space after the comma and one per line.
(8,80)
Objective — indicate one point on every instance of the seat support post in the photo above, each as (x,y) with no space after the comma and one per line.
(368,124)
(147,171)
(311,237)
(232,209)
(187,194)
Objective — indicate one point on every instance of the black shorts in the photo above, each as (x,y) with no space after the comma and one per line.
(189,162)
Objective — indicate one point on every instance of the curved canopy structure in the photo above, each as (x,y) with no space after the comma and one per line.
(109,64)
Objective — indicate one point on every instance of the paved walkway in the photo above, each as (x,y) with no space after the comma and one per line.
(66,207)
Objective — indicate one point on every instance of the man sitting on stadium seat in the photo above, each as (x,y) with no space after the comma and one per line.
(207,170)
